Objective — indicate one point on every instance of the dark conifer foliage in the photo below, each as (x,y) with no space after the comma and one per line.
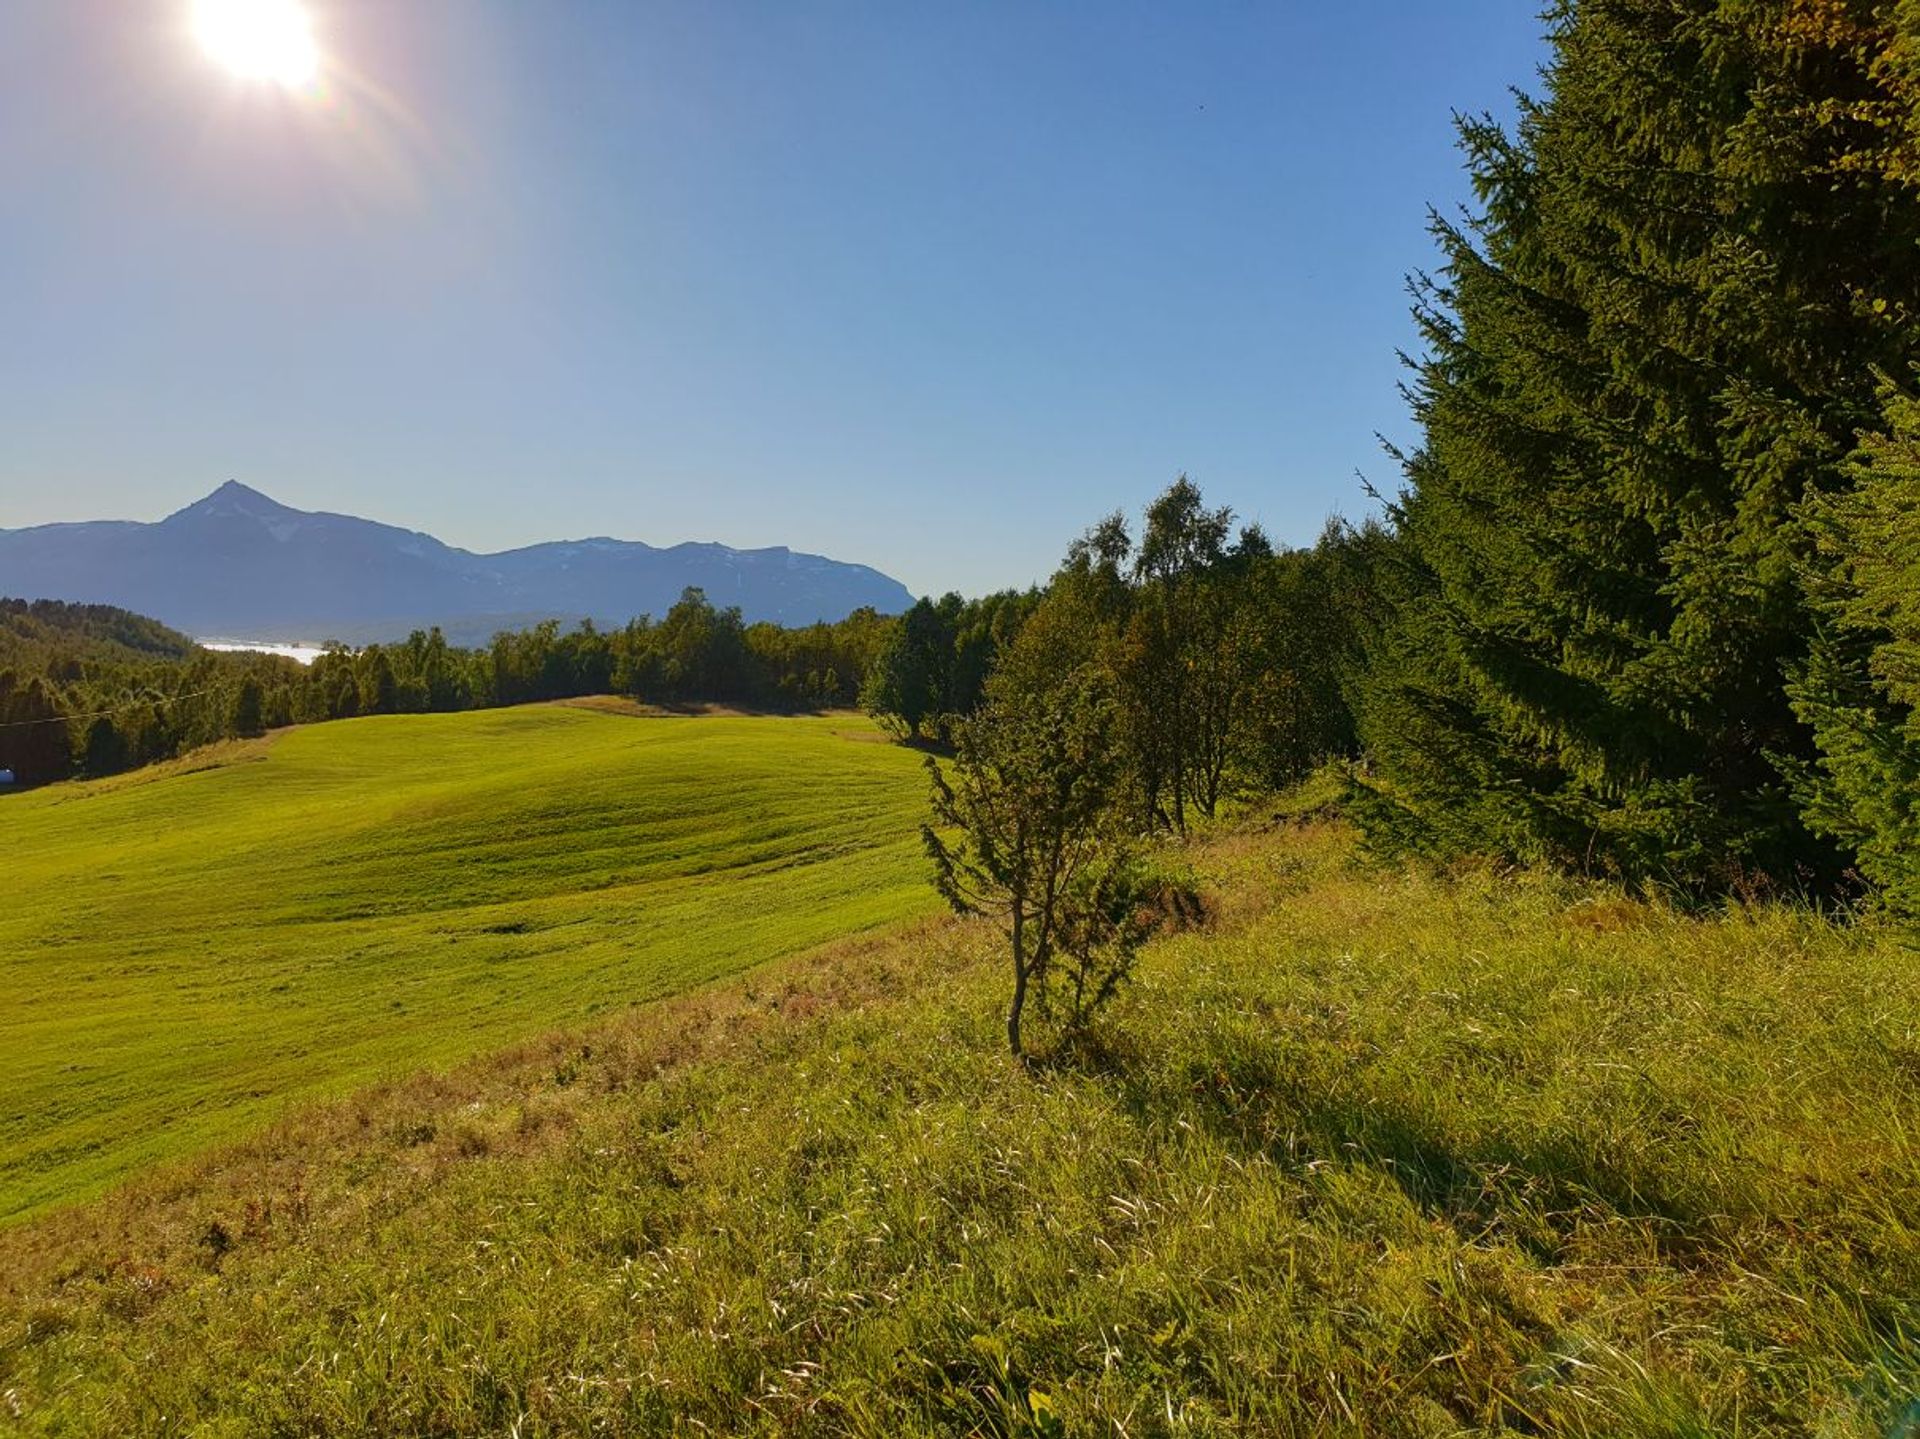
(33,740)
(1657,338)
(1860,689)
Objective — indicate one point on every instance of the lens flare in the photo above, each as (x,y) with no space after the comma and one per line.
(258,40)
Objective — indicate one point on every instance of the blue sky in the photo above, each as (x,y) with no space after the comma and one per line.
(927,286)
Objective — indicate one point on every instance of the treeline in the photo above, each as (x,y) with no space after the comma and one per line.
(697,652)
(1655,590)
(1648,604)
(88,690)
(1157,675)
(1227,661)
(45,634)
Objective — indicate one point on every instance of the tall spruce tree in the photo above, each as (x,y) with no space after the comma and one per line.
(1654,340)
(1860,690)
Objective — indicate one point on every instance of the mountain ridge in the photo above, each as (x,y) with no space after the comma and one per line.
(240,565)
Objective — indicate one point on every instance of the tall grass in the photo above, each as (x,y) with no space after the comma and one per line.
(1374,1154)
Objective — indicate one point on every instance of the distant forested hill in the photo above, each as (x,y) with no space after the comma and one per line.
(35,631)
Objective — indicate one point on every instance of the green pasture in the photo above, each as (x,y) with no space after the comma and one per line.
(1371,1154)
(183,953)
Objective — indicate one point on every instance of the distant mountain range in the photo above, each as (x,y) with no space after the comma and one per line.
(240,566)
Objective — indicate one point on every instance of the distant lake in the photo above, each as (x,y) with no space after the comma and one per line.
(306,654)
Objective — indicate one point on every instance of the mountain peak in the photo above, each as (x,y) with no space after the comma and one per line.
(240,564)
(234,498)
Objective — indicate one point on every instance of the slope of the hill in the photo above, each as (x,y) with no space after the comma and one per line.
(33,631)
(183,949)
(1373,1155)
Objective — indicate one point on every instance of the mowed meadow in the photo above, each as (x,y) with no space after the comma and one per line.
(184,950)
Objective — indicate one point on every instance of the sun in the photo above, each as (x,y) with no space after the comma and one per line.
(259,40)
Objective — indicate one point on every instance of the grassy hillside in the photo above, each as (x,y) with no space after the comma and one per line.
(1373,1155)
(184,949)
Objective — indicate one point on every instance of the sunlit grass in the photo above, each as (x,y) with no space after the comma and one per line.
(184,950)
(1378,1154)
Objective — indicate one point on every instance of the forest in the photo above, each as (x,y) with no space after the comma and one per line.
(1653,600)
(1645,604)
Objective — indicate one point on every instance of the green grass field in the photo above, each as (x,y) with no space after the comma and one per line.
(1373,1154)
(184,952)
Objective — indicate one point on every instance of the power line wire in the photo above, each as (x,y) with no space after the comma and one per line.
(106,714)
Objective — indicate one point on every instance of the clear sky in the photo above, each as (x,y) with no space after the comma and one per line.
(929,286)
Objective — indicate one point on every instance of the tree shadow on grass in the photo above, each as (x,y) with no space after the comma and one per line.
(1535,1195)
(1541,1193)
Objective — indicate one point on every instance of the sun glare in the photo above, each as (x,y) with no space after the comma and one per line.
(261,40)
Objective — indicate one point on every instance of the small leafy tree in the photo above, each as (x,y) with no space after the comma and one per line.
(881,694)
(1026,826)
